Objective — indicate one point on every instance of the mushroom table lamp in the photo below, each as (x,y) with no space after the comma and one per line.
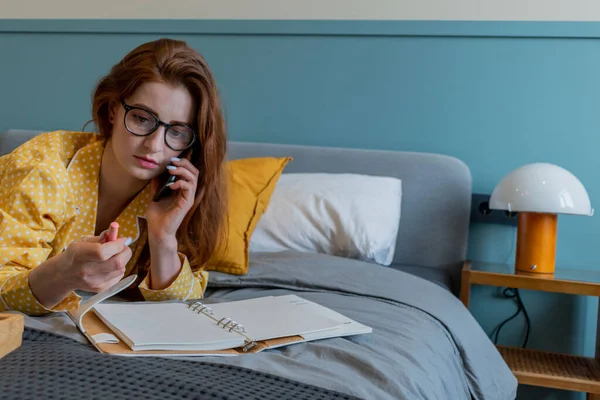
(538,192)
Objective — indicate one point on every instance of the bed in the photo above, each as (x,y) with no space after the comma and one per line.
(425,344)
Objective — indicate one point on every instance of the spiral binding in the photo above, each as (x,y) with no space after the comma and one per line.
(232,325)
(226,323)
(201,308)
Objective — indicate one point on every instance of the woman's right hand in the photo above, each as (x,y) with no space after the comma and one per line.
(93,265)
(89,264)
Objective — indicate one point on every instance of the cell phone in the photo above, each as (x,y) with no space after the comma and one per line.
(165,179)
(164,190)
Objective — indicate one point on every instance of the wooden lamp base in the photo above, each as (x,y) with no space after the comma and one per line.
(536,243)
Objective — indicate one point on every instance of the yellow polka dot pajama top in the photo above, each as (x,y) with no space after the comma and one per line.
(48,198)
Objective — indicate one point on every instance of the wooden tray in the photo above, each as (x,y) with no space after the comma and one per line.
(11,332)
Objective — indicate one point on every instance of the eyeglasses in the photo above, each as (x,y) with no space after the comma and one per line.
(141,122)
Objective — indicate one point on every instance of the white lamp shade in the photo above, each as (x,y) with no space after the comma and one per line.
(543,188)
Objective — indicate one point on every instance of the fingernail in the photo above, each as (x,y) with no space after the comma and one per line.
(171,167)
(128,241)
(175,159)
(169,184)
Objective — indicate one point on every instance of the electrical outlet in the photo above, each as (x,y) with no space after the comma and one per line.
(481,213)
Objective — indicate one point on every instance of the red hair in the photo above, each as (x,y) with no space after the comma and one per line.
(175,63)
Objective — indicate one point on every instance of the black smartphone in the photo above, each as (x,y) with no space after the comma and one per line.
(163,190)
(165,179)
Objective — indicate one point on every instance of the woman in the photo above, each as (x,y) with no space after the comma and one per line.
(158,114)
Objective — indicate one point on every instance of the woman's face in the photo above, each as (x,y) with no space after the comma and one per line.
(146,157)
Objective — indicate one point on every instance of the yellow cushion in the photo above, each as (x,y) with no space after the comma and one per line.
(251,182)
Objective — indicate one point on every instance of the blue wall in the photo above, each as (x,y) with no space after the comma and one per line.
(495,94)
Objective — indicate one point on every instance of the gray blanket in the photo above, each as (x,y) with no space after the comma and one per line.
(425,344)
(52,366)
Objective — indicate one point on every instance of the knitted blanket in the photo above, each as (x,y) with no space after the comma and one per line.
(55,367)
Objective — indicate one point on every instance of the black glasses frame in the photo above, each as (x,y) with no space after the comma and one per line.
(157,123)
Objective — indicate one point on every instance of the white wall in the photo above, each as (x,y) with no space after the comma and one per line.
(563,10)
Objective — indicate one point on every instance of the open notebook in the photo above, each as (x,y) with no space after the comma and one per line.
(224,329)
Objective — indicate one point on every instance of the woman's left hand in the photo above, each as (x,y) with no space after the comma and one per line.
(165,216)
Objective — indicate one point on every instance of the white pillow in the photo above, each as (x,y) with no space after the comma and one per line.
(349,215)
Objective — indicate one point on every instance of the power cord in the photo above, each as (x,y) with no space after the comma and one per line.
(512,293)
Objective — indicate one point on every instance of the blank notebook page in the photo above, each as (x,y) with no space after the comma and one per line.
(167,323)
(274,317)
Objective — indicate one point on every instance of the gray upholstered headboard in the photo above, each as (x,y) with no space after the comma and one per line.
(436,191)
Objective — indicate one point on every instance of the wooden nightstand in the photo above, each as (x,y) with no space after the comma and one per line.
(533,367)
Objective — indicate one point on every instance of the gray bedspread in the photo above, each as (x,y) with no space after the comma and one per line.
(49,366)
(425,344)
